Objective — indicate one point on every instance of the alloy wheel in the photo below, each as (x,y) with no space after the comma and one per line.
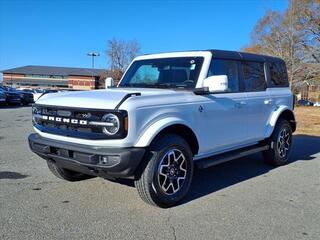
(283,143)
(172,171)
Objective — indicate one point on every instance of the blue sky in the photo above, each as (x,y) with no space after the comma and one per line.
(60,33)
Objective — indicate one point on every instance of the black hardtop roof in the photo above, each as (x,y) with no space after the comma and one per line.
(242,56)
(236,55)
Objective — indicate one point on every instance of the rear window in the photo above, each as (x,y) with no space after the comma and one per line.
(253,76)
(278,74)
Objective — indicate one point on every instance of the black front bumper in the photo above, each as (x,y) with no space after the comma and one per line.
(96,161)
(12,99)
(27,99)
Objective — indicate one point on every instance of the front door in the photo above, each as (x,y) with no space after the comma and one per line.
(223,121)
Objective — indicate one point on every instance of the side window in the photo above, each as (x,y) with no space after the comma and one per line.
(226,67)
(278,74)
(253,76)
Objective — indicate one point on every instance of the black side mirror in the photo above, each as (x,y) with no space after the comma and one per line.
(201,91)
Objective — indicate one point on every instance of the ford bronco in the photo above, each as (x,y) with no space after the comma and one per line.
(169,113)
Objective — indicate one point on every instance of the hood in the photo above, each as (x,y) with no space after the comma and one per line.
(96,99)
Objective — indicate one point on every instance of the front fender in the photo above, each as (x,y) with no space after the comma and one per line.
(274,118)
(152,131)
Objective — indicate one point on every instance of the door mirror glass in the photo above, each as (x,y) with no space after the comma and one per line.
(109,82)
(217,83)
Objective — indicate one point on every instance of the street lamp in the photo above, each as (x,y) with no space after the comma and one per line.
(93,54)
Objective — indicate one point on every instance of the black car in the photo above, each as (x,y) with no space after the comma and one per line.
(305,103)
(11,97)
(3,97)
(25,97)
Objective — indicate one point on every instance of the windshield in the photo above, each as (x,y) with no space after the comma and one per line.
(180,72)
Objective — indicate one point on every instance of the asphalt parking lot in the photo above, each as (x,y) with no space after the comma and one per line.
(243,199)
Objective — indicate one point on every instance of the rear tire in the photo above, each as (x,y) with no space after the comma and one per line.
(280,144)
(168,173)
(65,173)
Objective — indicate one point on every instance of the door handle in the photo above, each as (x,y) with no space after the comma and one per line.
(240,104)
(268,101)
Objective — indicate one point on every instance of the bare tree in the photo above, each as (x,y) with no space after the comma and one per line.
(293,36)
(120,54)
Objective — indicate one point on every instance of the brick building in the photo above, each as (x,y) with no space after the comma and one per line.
(53,77)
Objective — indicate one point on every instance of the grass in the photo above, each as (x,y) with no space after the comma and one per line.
(308,119)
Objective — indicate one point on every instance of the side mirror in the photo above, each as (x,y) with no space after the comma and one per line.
(217,83)
(109,82)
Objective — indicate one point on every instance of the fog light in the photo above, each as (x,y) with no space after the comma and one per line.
(104,160)
(109,160)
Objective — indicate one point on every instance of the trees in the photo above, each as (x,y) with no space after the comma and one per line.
(120,53)
(293,36)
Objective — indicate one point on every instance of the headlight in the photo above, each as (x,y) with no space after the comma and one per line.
(36,110)
(114,124)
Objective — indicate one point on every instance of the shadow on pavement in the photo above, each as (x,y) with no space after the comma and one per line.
(14,106)
(221,176)
(224,175)
(12,175)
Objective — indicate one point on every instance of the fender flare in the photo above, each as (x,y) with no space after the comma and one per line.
(274,118)
(155,128)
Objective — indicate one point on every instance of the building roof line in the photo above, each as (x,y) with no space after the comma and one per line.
(52,70)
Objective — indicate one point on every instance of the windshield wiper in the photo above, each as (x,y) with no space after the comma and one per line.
(133,85)
(155,85)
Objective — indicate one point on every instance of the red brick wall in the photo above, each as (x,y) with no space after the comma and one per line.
(8,77)
(81,82)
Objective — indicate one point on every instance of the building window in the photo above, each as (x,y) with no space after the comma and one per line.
(46,76)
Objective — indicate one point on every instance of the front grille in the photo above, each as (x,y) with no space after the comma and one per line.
(74,122)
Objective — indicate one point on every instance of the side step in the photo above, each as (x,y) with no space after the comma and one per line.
(225,157)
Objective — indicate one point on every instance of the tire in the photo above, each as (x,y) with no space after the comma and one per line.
(280,144)
(65,173)
(168,173)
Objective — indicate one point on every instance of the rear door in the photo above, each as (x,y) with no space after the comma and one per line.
(259,102)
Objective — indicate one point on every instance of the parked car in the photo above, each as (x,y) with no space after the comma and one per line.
(3,97)
(26,97)
(316,104)
(11,96)
(169,113)
(302,102)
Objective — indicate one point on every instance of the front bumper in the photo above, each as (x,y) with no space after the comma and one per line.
(13,100)
(96,161)
(27,100)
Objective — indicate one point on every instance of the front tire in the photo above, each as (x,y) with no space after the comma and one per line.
(280,144)
(66,174)
(168,174)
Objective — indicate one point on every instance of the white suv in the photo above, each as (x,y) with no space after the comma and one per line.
(169,113)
